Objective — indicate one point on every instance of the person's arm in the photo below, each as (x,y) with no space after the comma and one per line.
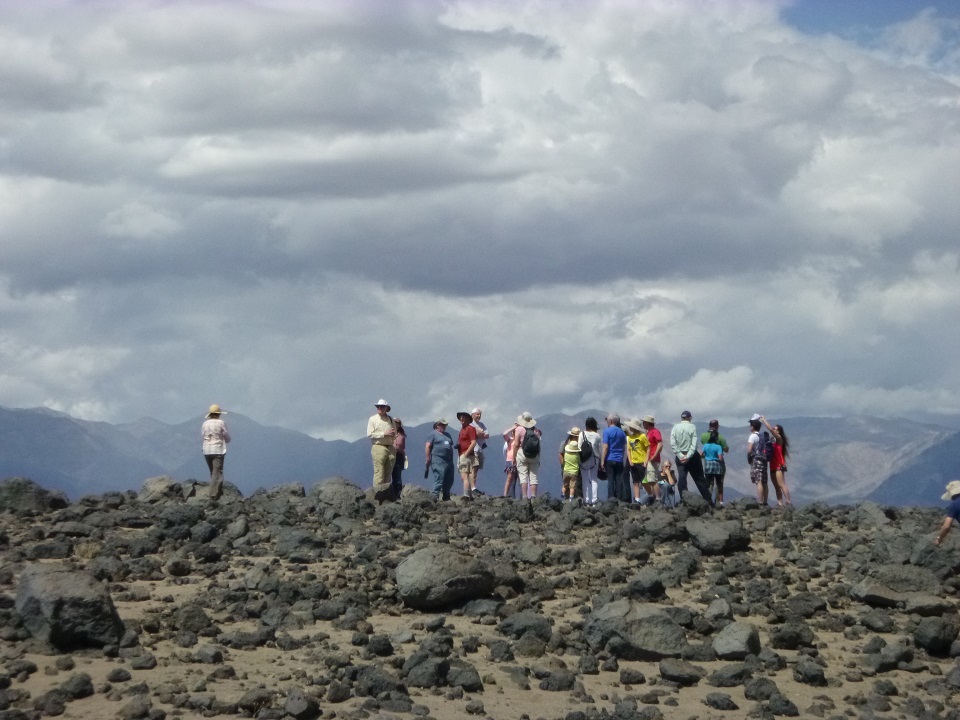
(603,454)
(771,428)
(654,449)
(226,433)
(372,429)
(561,455)
(945,528)
(428,450)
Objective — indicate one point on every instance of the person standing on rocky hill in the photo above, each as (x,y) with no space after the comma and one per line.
(215,438)
(652,480)
(757,457)
(683,440)
(382,431)
(481,447)
(953,510)
(780,451)
(439,451)
(611,456)
(526,454)
(467,462)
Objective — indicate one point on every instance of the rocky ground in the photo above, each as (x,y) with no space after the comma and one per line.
(320,604)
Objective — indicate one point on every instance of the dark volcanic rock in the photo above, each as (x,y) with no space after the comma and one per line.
(439,576)
(634,631)
(736,641)
(22,496)
(717,537)
(67,608)
(935,635)
(681,672)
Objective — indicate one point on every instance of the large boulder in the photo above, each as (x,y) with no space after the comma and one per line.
(338,497)
(439,576)
(67,609)
(717,537)
(634,631)
(736,641)
(889,585)
(22,496)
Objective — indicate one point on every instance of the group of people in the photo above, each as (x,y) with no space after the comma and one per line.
(627,455)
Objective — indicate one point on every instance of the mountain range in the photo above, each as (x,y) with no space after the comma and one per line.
(834,460)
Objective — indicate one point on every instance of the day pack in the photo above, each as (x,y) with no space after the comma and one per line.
(586,451)
(530,444)
(764,448)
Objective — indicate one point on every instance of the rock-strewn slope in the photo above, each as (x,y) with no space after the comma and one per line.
(320,604)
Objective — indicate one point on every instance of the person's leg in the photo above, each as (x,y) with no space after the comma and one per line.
(566,487)
(379,455)
(578,484)
(508,479)
(436,474)
(448,476)
(523,476)
(700,480)
(681,470)
(396,477)
(653,478)
(637,473)
(215,463)
(781,480)
(532,467)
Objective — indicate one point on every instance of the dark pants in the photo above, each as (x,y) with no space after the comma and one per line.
(694,466)
(396,483)
(215,464)
(616,478)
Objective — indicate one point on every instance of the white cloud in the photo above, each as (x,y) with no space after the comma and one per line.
(291,208)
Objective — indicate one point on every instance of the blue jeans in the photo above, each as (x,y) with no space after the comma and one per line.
(442,473)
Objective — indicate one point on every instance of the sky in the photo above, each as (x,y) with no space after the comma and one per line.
(294,209)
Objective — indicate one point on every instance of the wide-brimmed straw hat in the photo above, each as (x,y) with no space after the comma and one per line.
(574,431)
(953,488)
(383,402)
(215,410)
(464,414)
(526,420)
(634,425)
(649,419)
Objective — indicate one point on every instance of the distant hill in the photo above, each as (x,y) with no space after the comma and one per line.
(832,459)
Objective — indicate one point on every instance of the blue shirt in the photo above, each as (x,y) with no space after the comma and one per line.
(441,447)
(953,509)
(712,451)
(616,441)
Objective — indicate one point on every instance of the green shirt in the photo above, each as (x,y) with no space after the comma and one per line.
(571,458)
(721,440)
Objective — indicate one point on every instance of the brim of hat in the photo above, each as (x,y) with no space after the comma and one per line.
(526,424)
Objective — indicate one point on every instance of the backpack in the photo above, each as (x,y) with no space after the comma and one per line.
(531,443)
(764,448)
(586,451)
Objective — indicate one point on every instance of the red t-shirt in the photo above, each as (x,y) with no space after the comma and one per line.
(467,436)
(655,438)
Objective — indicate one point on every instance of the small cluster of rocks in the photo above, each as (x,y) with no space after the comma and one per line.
(321,603)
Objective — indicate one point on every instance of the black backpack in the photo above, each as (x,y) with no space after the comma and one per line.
(586,451)
(531,443)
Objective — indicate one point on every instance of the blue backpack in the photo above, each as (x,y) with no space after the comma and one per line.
(764,447)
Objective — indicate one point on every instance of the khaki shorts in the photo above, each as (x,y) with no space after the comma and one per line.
(467,463)
(653,472)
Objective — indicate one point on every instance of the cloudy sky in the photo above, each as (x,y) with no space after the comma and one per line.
(295,208)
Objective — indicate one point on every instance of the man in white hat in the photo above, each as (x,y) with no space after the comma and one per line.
(382,431)
(953,510)
(215,438)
